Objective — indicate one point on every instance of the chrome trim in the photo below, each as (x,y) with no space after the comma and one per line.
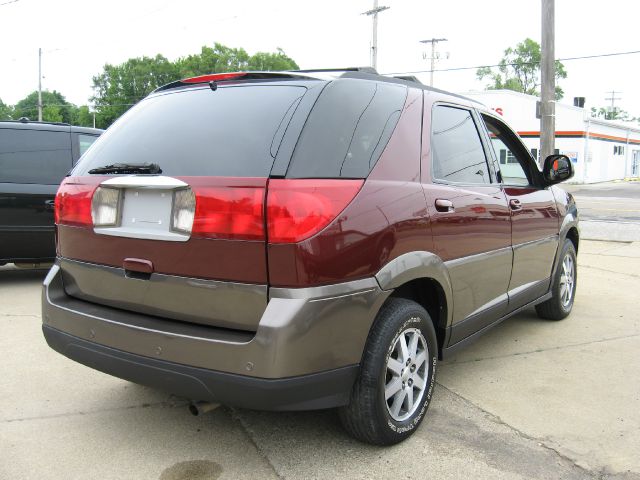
(157,182)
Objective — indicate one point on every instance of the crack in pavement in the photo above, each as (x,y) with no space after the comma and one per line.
(94,412)
(252,439)
(540,350)
(521,434)
(19,315)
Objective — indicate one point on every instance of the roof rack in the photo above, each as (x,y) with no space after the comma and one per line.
(348,69)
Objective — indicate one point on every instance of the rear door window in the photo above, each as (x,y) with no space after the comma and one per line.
(85,141)
(34,156)
(347,129)
(457,152)
(199,132)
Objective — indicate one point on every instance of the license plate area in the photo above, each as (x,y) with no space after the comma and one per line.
(145,213)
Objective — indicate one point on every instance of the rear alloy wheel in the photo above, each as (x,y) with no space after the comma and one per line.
(563,287)
(397,375)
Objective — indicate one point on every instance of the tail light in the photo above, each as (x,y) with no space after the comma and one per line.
(229,212)
(298,209)
(73,203)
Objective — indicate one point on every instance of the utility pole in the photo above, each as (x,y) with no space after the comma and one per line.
(374,44)
(613,98)
(548,80)
(433,42)
(40,84)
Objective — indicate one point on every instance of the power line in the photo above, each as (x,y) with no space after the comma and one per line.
(7,3)
(585,57)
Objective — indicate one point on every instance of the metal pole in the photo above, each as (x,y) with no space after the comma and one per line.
(40,84)
(433,61)
(547,78)
(374,44)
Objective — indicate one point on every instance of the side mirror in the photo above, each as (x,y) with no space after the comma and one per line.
(557,168)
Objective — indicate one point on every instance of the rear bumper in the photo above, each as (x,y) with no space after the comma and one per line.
(307,392)
(304,354)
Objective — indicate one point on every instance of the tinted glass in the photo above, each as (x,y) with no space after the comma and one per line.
(512,156)
(227,132)
(85,141)
(457,153)
(34,156)
(347,129)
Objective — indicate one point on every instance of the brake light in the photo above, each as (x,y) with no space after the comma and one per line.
(299,208)
(214,77)
(73,203)
(229,212)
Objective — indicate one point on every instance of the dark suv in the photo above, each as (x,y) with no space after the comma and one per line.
(301,240)
(34,158)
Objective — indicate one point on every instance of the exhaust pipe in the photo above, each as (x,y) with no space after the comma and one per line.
(200,408)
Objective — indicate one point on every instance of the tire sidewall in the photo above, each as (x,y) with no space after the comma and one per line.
(414,320)
(567,249)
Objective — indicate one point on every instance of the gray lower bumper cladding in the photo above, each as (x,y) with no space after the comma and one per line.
(303,355)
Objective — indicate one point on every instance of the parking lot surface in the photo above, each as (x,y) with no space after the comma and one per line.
(532,399)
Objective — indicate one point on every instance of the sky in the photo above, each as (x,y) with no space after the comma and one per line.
(78,37)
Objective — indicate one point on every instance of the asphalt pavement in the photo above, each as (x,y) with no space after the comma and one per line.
(608,211)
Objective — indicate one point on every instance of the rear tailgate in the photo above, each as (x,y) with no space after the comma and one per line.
(216,150)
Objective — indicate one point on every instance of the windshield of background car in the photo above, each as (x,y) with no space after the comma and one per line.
(232,131)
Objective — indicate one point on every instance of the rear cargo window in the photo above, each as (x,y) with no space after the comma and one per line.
(34,156)
(347,129)
(199,132)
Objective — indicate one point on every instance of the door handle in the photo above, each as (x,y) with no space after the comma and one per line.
(443,205)
(515,204)
(49,204)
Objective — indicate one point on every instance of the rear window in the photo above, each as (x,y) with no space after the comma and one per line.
(347,129)
(232,131)
(34,156)
(85,141)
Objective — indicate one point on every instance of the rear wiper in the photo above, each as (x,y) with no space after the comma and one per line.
(128,168)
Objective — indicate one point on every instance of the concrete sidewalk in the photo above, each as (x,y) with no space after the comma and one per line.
(532,399)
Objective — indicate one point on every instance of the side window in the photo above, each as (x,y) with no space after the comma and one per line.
(34,156)
(85,141)
(457,153)
(513,159)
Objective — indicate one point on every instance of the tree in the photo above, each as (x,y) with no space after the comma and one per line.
(28,107)
(6,111)
(83,117)
(519,70)
(118,87)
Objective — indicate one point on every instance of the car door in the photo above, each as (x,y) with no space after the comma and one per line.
(32,164)
(534,215)
(470,218)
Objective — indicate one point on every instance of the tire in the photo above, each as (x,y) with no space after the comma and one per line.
(560,304)
(369,416)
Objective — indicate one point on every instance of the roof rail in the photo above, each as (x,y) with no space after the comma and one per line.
(348,69)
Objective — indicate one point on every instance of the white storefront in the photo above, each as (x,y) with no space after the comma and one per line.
(601,150)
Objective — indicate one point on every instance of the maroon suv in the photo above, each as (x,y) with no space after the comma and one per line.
(304,240)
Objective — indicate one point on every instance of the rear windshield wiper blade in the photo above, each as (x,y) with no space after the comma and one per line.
(128,168)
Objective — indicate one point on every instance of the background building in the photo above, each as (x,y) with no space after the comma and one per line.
(601,150)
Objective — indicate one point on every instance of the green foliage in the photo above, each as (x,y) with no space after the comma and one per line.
(52,102)
(613,114)
(83,117)
(52,113)
(519,70)
(118,87)
(6,111)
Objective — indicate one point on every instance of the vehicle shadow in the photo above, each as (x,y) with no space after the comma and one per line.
(10,275)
